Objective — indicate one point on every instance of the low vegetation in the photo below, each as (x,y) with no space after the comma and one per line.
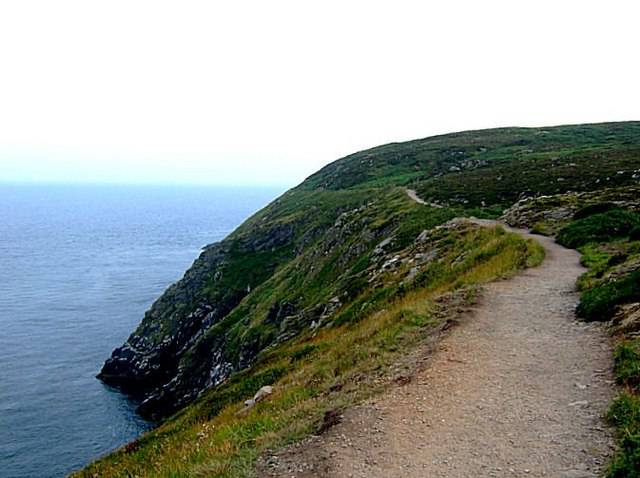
(624,415)
(601,227)
(627,364)
(593,209)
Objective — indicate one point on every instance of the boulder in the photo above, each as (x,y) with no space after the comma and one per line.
(260,395)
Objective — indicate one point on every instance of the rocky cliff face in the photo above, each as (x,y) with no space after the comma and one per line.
(314,255)
(149,365)
(549,213)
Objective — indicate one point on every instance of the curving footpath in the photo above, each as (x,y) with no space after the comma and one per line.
(517,390)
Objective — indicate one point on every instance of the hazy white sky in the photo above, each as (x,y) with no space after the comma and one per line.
(269,91)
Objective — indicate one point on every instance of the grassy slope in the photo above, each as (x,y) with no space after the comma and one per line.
(332,224)
(318,372)
(496,166)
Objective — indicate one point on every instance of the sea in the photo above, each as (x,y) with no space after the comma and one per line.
(79,265)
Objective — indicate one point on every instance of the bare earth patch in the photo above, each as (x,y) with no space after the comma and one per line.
(518,389)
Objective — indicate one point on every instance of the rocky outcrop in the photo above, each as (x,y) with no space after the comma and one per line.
(151,365)
(550,213)
(148,358)
(530,211)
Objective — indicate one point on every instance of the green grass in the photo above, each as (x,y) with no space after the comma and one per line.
(627,363)
(624,415)
(599,303)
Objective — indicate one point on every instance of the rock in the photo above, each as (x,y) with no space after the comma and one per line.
(391,263)
(381,247)
(424,236)
(260,395)
(579,403)
(627,319)
(413,272)
(263,393)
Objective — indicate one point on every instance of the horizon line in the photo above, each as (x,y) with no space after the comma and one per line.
(54,182)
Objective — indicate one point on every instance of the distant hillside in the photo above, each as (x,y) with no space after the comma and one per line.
(319,291)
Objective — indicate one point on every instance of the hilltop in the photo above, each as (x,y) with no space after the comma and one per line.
(326,293)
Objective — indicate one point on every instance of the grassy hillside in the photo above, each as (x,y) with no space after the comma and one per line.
(324,370)
(325,292)
(496,167)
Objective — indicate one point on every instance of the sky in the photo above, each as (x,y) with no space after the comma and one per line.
(267,92)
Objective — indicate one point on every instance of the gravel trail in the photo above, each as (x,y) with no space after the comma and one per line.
(517,390)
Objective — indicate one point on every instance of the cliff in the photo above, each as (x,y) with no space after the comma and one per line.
(325,251)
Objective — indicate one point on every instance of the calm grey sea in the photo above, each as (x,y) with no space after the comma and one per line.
(79,265)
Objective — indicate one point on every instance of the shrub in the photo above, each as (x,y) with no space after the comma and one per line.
(617,259)
(592,209)
(624,412)
(598,228)
(626,462)
(599,303)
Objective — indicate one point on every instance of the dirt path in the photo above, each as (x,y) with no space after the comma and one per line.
(518,389)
